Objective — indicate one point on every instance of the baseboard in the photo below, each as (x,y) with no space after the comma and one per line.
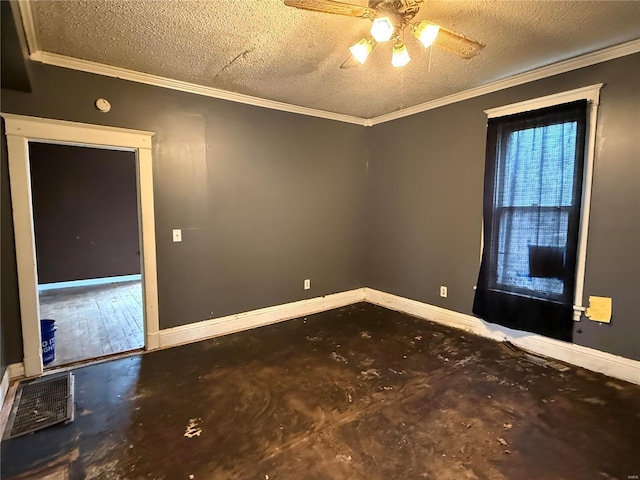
(8,392)
(7,396)
(88,282)
(589,358)
(152,341)
(13,371)
(16,370)
(194,332)
(4,386)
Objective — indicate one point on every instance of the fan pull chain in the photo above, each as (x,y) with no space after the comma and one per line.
(402,81)
(401,88)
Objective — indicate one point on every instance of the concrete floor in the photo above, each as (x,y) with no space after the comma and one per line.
(356,393)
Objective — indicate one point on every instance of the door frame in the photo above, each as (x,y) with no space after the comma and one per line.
(20,130)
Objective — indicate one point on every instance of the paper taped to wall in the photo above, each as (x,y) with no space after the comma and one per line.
(599,309)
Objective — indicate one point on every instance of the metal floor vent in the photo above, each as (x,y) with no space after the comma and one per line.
(41,403)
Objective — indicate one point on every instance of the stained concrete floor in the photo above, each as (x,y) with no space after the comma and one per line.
(356,393)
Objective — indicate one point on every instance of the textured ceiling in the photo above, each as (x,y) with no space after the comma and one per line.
(268,50)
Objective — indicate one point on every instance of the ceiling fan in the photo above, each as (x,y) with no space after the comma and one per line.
(390,18)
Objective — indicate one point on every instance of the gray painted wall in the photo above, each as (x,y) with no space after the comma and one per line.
(13,49)
(265,199)
(425,202)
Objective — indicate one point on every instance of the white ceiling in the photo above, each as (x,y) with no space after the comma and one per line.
(265,49)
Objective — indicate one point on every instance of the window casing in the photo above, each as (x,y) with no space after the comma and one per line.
(533,269)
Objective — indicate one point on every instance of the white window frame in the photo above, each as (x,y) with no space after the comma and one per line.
(592,95)
(20,130)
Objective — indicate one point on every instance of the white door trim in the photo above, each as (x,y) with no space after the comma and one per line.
(20,130)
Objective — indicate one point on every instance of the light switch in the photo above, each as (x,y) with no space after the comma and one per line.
(177,235)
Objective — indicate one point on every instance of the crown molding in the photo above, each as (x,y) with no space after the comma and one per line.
(28,26)
(157,81)
(611,53)
(582,61)
(37,55)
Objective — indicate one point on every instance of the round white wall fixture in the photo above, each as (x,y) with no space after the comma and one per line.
(103,105)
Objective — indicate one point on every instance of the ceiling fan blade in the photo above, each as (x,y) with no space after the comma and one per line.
(331,6)
(458,44)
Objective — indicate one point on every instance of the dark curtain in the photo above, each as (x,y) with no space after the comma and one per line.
(532,199)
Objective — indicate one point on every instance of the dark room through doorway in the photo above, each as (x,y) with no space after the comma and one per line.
(86,225)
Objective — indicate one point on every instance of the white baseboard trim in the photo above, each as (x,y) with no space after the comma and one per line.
(88,282)
(589,358)
(4,387)
(13,371)
(16,370)
(153,341)
(194,332)
(8,392)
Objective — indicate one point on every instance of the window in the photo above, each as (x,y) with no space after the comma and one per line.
(534,222)
(538,183)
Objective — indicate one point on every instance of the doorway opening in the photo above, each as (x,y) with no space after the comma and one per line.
(85,215)
(21,132)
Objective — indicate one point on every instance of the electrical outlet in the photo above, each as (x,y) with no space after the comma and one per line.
(177,235)
(443,291)
(307,284)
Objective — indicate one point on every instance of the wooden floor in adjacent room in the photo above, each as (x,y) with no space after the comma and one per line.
(94,321)
(357,393)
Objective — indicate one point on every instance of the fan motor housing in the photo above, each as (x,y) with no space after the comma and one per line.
(401,12)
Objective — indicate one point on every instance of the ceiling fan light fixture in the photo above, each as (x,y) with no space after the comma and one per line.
(426,32)
(382,29)
(400,55)
(362,49)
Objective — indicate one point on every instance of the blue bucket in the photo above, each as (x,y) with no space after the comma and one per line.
(48,335)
